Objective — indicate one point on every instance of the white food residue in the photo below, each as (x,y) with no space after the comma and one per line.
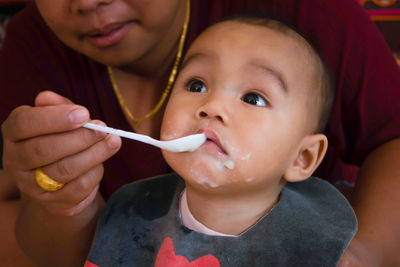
(229,164)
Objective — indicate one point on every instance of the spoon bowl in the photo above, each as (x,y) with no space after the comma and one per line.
(187,143)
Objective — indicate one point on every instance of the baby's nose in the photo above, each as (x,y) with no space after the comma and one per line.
(213,110)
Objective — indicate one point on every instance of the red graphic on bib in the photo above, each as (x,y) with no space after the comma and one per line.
(89,264)
(166,258)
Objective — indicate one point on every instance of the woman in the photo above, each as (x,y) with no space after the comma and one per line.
(67,47)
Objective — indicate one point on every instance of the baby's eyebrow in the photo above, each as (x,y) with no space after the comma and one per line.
(275,74)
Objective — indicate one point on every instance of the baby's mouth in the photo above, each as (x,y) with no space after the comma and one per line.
(213,142)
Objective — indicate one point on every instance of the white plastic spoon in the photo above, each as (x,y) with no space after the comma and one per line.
(183,144)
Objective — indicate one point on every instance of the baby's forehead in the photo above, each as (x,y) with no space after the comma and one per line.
(252,41)
(256,33)
(223,28)
(248,27)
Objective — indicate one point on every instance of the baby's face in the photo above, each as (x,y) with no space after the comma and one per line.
(244,87)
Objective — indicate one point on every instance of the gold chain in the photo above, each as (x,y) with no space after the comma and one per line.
(137,122)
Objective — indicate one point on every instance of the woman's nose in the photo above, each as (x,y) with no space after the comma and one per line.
(86,6)
(213,110)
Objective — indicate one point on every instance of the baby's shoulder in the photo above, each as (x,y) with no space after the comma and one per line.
(318,199)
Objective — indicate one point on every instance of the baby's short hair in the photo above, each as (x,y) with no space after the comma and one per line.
(324,77)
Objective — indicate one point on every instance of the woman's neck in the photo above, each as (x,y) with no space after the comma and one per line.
(230,214)
(140,96)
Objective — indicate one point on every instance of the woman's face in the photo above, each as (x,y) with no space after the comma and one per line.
(114,32)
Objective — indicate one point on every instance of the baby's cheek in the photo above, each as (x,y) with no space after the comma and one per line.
(169,135)
(168,130)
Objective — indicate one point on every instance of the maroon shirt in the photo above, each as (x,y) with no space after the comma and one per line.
(366,112)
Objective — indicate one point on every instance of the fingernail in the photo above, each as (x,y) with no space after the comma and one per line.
(100,134)
(79,115)
(113,141)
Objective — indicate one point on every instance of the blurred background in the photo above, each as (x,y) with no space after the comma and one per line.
(386,15)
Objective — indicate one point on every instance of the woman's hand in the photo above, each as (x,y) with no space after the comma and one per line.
(376,201)
(356,255)
(49,135)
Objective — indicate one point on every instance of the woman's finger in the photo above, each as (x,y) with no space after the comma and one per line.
(74,196)
(68,168)
(47,98)
(26,122)
(46,149)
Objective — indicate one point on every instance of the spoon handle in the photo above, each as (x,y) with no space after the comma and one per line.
(138,137)
(183,144)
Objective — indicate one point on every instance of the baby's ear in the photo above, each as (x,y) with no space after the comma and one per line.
(309,156)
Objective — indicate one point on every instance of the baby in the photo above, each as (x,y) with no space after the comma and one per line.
(261,95)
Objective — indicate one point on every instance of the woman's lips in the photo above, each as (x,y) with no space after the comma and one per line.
(108,35)
(213,143)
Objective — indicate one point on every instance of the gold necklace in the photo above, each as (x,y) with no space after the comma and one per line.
(137,122)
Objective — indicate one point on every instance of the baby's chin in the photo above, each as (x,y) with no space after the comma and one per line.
(207,172)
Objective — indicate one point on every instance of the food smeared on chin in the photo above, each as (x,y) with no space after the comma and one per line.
(229,164)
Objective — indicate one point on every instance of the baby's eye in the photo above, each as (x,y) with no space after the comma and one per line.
(196,86)
(254,99)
